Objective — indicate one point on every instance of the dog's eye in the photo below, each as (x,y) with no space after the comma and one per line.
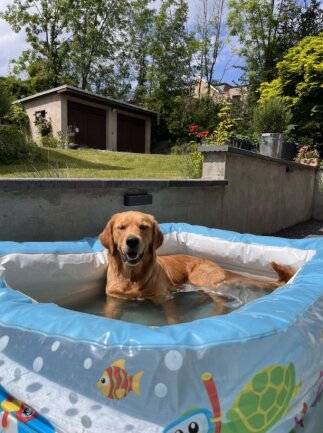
(143,227)
(122,227)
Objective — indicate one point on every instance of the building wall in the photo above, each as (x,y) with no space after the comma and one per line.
(239,93)
(52,104)
(221,93)
(202,90)
(57,112)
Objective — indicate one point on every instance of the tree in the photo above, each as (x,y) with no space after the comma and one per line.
(210,34)
(266,29)
(5,101)
(69,39)
(202,112)
(141,26)
(46,26)
(17,87)
(97,31)
(171,53)
(311,19)
(300,83)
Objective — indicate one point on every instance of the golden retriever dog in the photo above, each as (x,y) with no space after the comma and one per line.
(136,272)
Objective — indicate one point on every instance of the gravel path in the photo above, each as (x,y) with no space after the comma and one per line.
(308,229)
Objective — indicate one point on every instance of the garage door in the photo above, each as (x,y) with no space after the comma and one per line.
(89,124)
(131,134)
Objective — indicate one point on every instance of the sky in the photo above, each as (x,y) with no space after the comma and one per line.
(12,44)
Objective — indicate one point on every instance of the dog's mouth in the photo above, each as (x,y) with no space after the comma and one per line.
(132,257)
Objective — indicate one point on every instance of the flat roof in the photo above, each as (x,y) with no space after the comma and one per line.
(92,97)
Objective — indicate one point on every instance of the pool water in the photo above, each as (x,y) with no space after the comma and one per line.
(191,303)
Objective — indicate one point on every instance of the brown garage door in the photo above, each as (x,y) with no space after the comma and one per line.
(89,124)
(131,134)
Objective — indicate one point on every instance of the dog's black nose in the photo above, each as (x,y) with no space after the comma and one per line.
(132,242)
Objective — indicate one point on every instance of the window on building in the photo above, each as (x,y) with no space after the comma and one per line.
(39,115)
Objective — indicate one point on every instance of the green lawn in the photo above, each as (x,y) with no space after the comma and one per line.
(96,164)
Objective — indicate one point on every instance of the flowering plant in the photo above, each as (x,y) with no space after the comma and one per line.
(203,134)
(192,128)
(307,152)
(197,132)
(222,133)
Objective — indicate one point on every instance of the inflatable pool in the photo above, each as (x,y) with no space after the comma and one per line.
(258,369)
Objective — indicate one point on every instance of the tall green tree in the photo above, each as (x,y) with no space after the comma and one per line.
(5,100)
(300,83)
(266,29)
(46,25)
(210,31)
(97,30)
(311,19)
(141,26)
(170,69)
(17,87)
(69,40)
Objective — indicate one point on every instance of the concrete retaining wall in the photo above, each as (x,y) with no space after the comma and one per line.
(318,196)
(51,210)
(240,190)
(264,194)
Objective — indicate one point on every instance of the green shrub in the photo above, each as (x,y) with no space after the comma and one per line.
(4,100)
(49,141)
(272,116)
(17,116)
(195,165)
(192,111)
(14,146)
(44,127)
(192,159)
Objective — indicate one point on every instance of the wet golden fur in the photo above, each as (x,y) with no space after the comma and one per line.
(136,272)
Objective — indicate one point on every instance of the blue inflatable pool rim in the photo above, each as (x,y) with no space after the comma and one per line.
(18,311)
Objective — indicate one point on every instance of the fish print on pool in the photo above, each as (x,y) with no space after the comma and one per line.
(116,383)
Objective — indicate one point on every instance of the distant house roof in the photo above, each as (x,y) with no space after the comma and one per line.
(91,97)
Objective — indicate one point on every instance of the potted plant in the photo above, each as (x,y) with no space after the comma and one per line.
(308,155)
(271,120)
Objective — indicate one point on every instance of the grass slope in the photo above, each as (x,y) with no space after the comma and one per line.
(95,164)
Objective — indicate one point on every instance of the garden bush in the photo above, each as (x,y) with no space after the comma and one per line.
(15,146)
(203,112)
(272,116)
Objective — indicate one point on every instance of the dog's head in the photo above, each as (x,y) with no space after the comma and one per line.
(132,235)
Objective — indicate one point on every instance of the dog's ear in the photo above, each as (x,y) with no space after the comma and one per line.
(106,237)
(158,237)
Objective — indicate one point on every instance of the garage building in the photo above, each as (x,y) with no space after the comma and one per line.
(91,120)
